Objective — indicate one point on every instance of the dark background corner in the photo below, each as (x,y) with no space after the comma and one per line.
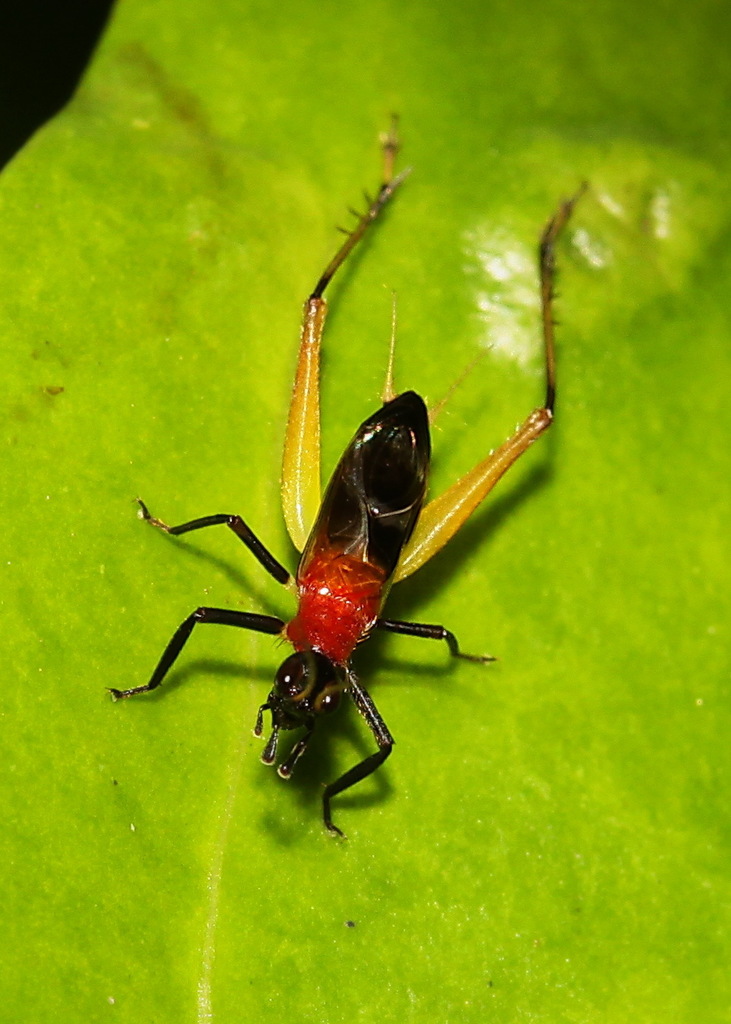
(45,47)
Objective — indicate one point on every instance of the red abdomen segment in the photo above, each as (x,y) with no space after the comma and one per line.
(339,600)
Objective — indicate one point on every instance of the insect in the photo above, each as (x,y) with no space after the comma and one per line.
(369,530)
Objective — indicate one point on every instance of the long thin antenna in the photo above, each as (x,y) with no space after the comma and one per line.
(389,391)
(436,409)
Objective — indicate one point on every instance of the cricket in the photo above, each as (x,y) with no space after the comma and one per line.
(372,527)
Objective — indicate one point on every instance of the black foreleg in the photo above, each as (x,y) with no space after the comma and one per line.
(234,523)
(368,765)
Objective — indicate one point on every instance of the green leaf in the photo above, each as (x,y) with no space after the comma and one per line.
(549,841)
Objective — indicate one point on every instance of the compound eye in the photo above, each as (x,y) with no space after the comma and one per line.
(327,702)
(294,676)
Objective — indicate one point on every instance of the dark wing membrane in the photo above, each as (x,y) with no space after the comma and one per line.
(375,495)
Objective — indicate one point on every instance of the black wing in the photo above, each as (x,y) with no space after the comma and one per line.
(375,495)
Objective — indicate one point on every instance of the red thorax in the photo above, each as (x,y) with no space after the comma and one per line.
(340,597)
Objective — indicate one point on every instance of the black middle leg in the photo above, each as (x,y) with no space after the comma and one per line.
(430,632)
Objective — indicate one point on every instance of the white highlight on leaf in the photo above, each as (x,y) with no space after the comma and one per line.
(506,292)
(610,204)
(660,215)
(594,253)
